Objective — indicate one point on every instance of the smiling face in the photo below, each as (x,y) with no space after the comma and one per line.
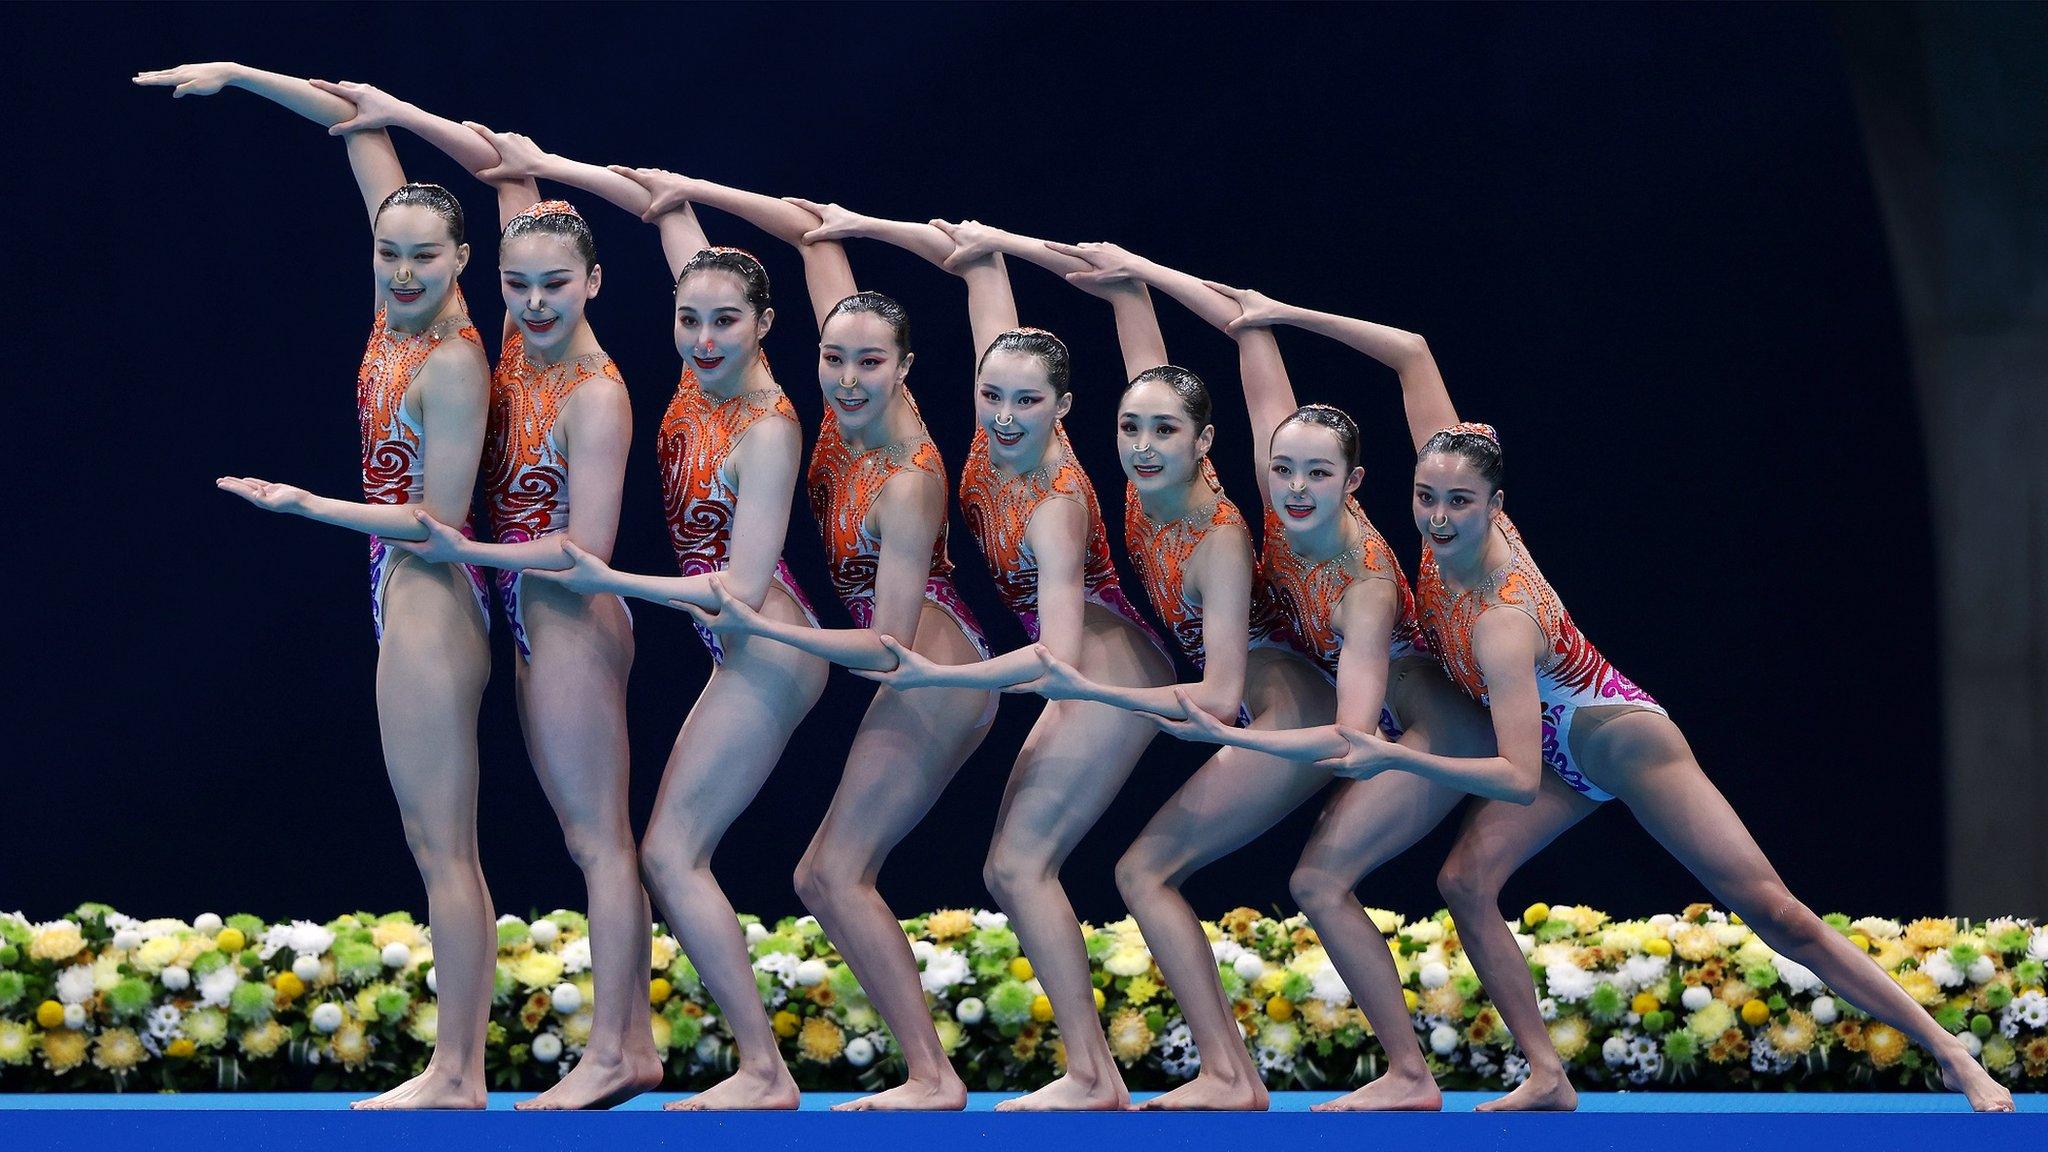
(416,261)
(1016,405)
(1157,440)
(1306,476)
(718,332)
(1453,505)
(861,369)
(546,285)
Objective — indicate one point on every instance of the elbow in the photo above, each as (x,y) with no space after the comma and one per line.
(1413,349)
(1524,784)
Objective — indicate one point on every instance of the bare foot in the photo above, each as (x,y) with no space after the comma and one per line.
(1544,1092)
(596,1083)
(1070,1093)
(759,1090)
(1967,1076)
(1392,1092)
(1212,1092)
(432,1088)
(913,1096)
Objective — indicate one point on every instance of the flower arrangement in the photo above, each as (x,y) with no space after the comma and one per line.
(99,1001)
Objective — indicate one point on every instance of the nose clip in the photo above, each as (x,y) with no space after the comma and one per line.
(1440,520)
(1005,420)
(404,274)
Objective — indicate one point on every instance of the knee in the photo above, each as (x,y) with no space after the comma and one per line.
(666,862)
(1464,883)
(1009,871)
(821,880)
(597,848)
(1139,875)
(437,851)
(1316,890)
(1772,912)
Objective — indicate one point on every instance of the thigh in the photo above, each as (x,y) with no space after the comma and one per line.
(909,747)
(1498,837)
(1229,800)
(1368,822)
(733,738)
(572,708)
(1073,764)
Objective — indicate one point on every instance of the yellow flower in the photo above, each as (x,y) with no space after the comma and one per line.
(118,1050)
(786,1023)
(1408,995)
(1756,1013)
(1920,986)
(1443,1000)
(50,1014)
(537,969)
(1657,946)
(1058,1048)
(1270,982)
(659,990)
(230,940)
(1280,1008)
(1645,1003)
(821,1040)
(576,1026)
(350,1045)
(1795,1035)
(60,941)
(1041,1009)
(1020,969)
(63,1049)
(1239,922)
(1319,1015)
(180,1049)
(1735,993)
(425,1025)
(1890,954)
(1100,999)
(664,1032)
(289,988)
(1129,1038)
(396,932)
(662,954)
(1570,1035)
(265,1039)
(1695,943)
(156,954)
(17,1042)
(1128,960)
(1861,941)
(948,923)
(1387,922)
(1711,1021)
(1998,1053)
(1884,1043)
(1583,918)
(1926,934)
(951,1035)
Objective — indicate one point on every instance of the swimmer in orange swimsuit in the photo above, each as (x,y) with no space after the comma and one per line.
(1571,730)
(554,466)
(421,401)
(878,488)
(1035,515)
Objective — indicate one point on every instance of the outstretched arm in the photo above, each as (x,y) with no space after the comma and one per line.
(991,306)
(1137,325)
(370,154)
(1423,394)
(827,274)
(520,158)
(467,145)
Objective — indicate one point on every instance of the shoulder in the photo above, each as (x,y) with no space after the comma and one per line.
(455,371)
(1368,601)
(1226,546)
(1505,635)
(1059,519)
(770,439)
(911,492)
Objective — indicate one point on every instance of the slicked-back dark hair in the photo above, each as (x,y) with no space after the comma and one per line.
(1048,348)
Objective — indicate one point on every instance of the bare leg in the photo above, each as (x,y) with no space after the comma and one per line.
(431,670)
(1496,840)
(726,749)
(908,748)
(1076,759)
(572,697)
(1661,782)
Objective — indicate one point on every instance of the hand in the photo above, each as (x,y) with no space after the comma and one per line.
(728,615)
(586,575)
(1199,725)
(1368,756)
(375,108)
(972,241)
(1111,269)
(190,79)
(443,545)
(836,223)
(671,191)
(912,669)
(264,494)
(519,158)
(1259,310)
(1059,681)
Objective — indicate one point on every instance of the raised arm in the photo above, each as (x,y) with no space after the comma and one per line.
(520,158)
(991,306)
(466,145)
(370,154)
(1423,394)
(827,274)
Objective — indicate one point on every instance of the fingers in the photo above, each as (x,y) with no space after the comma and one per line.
(1074,250)
(811,206)
(479,129)
(875,675)
(345,127)
(950,229)
(894,646)
(696,613)
(184,88)
(1227,290)
(629,172)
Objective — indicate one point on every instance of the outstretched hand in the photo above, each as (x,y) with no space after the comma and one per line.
(728,615)
(1110,268)
(1199,725)
(519,158)
(190,79)
(1059,681)
(375,108)
(586,574)
(912,670)
(835,223)
(264,494)
(1367,756)
(443,544)
(972,241)
(670,191)
(1258,309)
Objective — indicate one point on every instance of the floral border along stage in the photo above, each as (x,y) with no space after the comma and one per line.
(99,1001)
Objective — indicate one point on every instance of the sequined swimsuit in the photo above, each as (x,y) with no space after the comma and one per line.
(843,486)
(698,434)
(999,512)
(394,440)
(1571,675)
(1295,603)
(1161,553)
(526,468)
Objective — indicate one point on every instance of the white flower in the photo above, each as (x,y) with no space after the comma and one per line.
(859,1052)
(1641,971)
(943,969)
(707,1049)
(306,968)
(547,1047)
(75,984)
(922,950)
(1226,951)
(1641,1049)
(1547,1007)
(397,955)
(161,926)
(970,1011)
(780,965)
(2029,1008)
(757,932)
(1971,1044)
(434,980)
(1696,998)
(1443,1039)
(1129,960)
(2037,945)
(1729,935)
(175,978)
(74,1016)
(811,973)
(306,938)
(207,924)
(1425,931)
(1615,1050)
(166,1022)
(1797,977)
(1387,922)
(986,920)
(575,954)
(216,986)
(544,932)
(1941,968)
(1568,982)
(1823,1010)
(566,998)
(1528,945)
(1514,1069)
(1663,920)
(1878,928)
(127,940)
(327,1018)
(1178,1056)
(1434,975)
(1248,966)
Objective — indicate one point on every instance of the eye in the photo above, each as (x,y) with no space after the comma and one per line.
(871,362)
(724,321)
(424,258)
(831,357)
(387,254)
(556,285)
(989,395)
(1459,501)
(1026,401)
(688,321)
(1280,469)
(1320,473)
(1127,428)
(1424,498)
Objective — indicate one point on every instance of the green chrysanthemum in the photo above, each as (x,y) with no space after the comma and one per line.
(209,961)
(1009,1003)
(1233,984)
(17,1042)
(12,989)
(251,1003)
(1680,1047)
(17,933)
(1606,1003)
(206,1027)
(778,942)
(2027,972)
(249,926)
(1838,922)
(131,996)
(684,1031)
(1964,955)
(511,934)
(683,975)
(1761,976)
(1100,945)
(356,961)
(844,983)
(574,923)
(1467,985)
(1997,996)
(2008,941)
(392,1002)
(1001,942)
(1297,985)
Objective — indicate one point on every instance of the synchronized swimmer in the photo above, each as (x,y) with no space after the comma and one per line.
(1317,660)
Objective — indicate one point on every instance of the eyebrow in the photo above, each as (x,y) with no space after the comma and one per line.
(1143,416)
(713,311)
(399,244)
(841,348)
(549,272)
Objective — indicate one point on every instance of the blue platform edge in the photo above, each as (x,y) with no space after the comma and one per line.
(306,1122)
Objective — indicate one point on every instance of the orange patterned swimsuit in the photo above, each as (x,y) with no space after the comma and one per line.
(698,433)
(1295,605)
(526,469)
(843,485)
(394,441)
(1573,675)
(999,512)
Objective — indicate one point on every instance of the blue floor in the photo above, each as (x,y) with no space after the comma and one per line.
(1623,1122)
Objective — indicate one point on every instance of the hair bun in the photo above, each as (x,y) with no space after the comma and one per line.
(1474,428)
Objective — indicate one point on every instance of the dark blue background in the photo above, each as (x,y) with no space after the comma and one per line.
(1642,242)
